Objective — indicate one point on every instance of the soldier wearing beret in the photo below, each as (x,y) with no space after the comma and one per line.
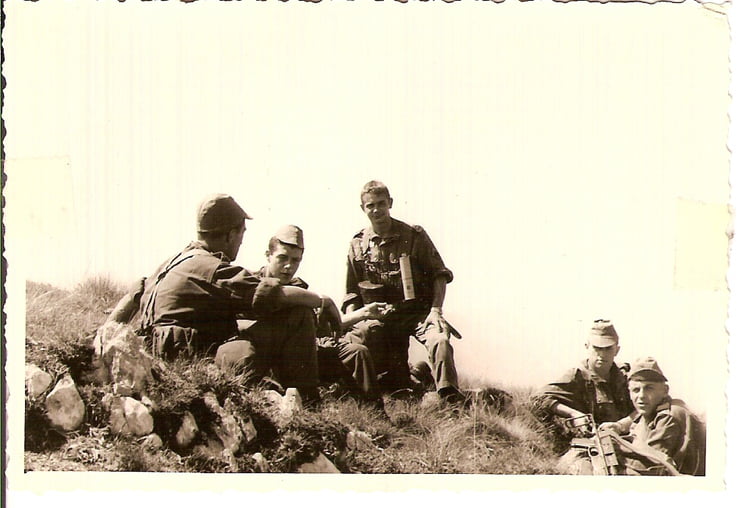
(190,305)
(661,423)
(336,359)
(378,257)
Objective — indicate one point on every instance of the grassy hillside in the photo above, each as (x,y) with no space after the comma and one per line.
(496,436)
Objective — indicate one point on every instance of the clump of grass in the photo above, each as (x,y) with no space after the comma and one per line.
(38,435)
(497,434)
(304,439)
(60,324)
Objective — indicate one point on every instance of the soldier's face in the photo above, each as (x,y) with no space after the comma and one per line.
(377,207)
(647,395)
(284,261)
(602,358)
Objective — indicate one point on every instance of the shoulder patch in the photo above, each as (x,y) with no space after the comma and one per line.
(418,229)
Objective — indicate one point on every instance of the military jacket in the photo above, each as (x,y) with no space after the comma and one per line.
(676,432)
(581,389)
(377,259)
(203,291)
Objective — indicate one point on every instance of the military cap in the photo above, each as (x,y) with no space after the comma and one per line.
(646,369)
(219,212)
(290,235)
(603,334)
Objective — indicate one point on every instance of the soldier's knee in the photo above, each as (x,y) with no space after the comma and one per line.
(364,331)
(439,344)
(234,355)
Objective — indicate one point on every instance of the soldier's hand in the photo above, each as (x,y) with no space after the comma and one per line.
(375,310)
(436,319)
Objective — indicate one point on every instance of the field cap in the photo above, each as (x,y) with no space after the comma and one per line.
(646,369)
(290,235)
(219,212)
(603,334)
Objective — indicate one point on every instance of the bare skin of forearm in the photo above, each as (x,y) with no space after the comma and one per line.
(565,411)
(438,291)
(352,317)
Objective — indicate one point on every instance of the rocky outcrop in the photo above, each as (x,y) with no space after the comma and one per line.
(65,408)
(320,465)
(121,359)
(152,442)
(227,429)
(129,417)
(187,432)
(37,381)
(261,463)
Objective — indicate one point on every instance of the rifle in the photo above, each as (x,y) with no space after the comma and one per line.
(599,446)
(602,447)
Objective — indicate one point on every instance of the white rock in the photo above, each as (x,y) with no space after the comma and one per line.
(228,430)
(128,417)
(261,462)
(37,381)
(358,440)
(320,465)
(152,442)
(290,405)
(65,409)
(187,431)
(148,403)
(273,396)
(123,353)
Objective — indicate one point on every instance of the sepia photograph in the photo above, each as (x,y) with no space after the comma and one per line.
(464,246)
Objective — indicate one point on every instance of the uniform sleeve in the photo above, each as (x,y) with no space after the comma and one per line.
(667,434)
(429,257)
(353,278)
(568,390)
(249,294)
(129,304)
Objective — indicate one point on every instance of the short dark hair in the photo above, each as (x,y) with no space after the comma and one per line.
(374,187)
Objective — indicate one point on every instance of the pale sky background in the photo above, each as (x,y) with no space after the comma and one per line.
(569,162)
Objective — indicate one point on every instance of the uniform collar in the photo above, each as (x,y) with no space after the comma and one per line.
(663,407)
(370,234)
(589,373)
(196,245)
